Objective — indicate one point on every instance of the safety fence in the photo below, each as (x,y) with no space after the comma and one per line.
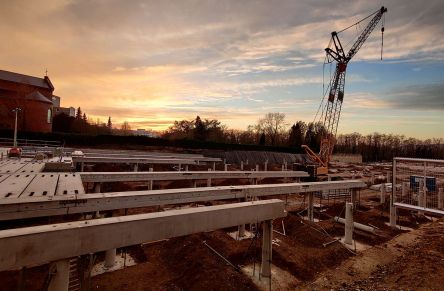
(418,184)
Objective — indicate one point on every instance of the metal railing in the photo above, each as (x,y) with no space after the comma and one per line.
(9,142)
(418,184)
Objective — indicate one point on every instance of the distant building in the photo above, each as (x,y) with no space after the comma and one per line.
(70,111)
(33,95)
(144,132)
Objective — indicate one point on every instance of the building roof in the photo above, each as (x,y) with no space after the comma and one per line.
(37,96)
(25,79)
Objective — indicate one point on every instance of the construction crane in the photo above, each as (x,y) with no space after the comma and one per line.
(332,109)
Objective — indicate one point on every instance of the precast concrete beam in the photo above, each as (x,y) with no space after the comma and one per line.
(194,175)
(29,246)
(17,208)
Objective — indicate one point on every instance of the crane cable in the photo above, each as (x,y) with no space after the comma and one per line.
(382,34)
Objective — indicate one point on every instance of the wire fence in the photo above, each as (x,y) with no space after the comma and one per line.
(418,183)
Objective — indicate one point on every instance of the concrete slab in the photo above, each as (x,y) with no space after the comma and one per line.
(31,167)
(14,185)
(12,167)
(69,184)
(43,184)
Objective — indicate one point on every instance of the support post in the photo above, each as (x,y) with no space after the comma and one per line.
(392,213)
(348,237)
(242,165)
(267,233)
(382,198)
(214,166)
(225,167)
(150,182)
(354,197)
(82,166)
(310,206)
(179,167)
(136,167)
(257,168)
(186,168)
(209,179)
(440,198)
(110,258)
(60,273)
(266,165)
(97,187)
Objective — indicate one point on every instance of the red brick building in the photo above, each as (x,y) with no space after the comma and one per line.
(33,95)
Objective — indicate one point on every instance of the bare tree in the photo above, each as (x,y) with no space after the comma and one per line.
(274,126)
(126,128)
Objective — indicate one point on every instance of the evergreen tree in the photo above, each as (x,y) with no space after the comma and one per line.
(109,124)
(262,139)
(199,129)
(79,114)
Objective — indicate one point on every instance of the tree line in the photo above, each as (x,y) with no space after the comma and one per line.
(270,130)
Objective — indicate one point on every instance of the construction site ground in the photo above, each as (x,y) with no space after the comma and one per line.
(308,257)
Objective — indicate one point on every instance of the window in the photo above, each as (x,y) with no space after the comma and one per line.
(49,117)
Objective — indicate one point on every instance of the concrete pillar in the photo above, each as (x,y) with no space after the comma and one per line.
(97,187)
(266,166)
(440,198)
(328,177)
(225,167)
(241,230)
(382,198)
(242,165)
(348,237)
(214,166)
(283,167)
(246,162)
(150,182)
(179,167)
(392,214)
(267,233)
(310,207)
(257,168)
(60,276)
(186,168)
(194,183)
(354,197)
(82,166)
(136,167)
(209,179)
(110,258)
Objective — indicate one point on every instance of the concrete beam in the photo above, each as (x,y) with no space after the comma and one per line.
(28,246)
(194,175)
(13,208)
(134,160)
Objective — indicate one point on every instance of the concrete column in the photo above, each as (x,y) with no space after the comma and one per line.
(97,187)
(186,168)
(440,198)
(283,167)
(267,233)
(151,182)
(257,168)
(328,177)
(194,183)
(354,197)
(110,258)
(242,165)
(310,207)
(82,166)
(136,167)
(392,214)
(214,166)
(382,198)
(241,230)
(225,167)
(179,167)
(209,179)
(348,237)
(266,166)
(60,279)
(246,162)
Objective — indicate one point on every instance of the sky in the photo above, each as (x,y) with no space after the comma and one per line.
(153,62)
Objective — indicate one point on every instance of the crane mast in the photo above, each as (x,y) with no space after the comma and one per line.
(332,111)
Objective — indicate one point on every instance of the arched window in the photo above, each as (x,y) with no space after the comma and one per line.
(49,117)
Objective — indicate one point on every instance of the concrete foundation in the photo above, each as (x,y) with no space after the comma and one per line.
(60,276)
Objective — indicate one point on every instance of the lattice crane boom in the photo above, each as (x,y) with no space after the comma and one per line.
(332,111)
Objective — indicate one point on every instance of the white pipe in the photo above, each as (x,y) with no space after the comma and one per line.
(357,225)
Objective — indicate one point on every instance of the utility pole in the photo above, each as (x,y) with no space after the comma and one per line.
(16,111)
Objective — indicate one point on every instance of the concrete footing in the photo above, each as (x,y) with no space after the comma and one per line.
(60,275)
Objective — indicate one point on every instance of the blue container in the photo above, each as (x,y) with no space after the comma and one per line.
(430,183)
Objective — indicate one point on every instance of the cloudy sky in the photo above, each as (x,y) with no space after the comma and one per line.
(153,62)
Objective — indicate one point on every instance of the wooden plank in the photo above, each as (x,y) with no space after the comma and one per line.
(14,185)
(69,184)
(43,184)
